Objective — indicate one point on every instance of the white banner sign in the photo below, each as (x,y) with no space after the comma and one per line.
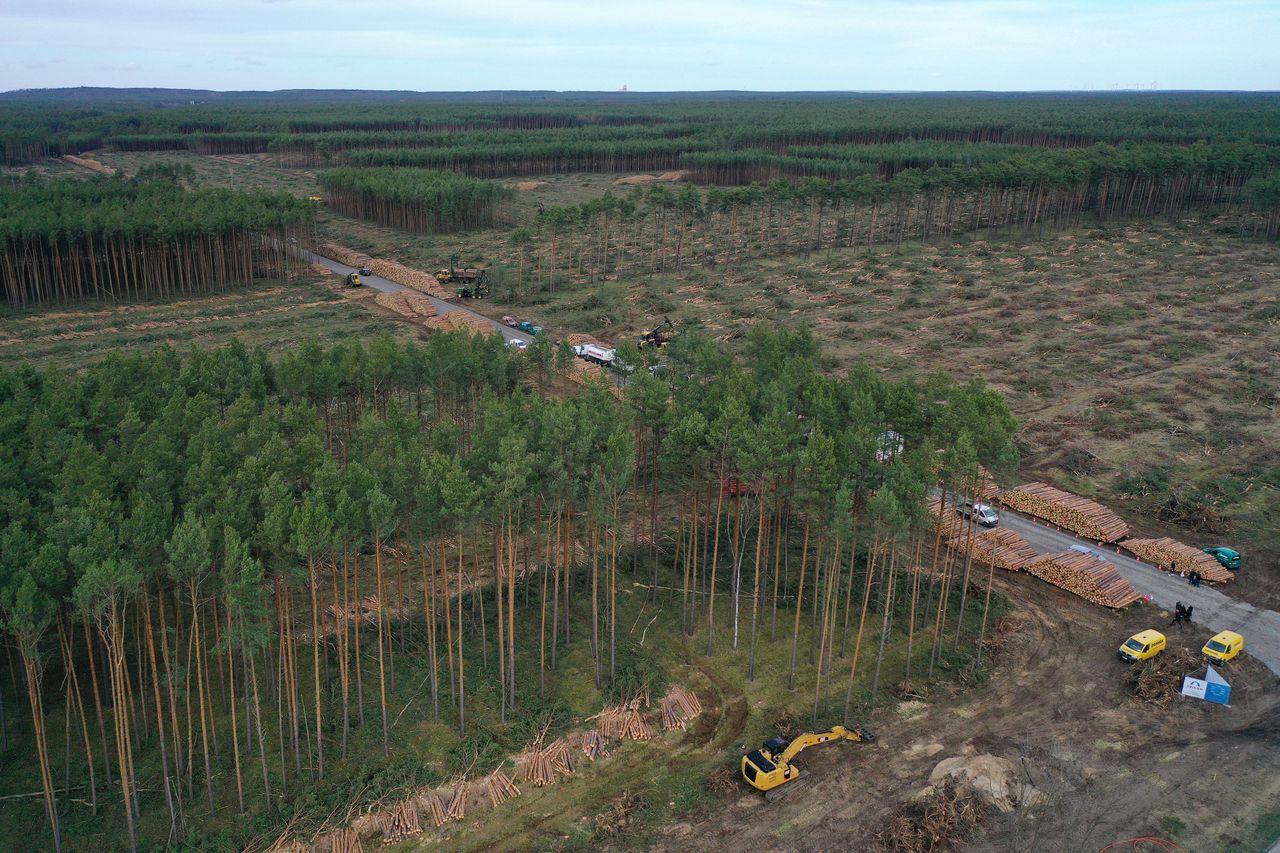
(1193,687)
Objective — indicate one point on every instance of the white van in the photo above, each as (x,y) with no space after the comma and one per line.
(981,513)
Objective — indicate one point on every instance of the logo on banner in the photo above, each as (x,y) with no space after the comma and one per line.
(1212,688)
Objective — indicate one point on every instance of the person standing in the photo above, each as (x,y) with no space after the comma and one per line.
(1186,614)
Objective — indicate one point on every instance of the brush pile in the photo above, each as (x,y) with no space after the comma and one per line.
(1157,680)
(1087,576)
(289,845)
(400,822)
(620,815)
(940,821)
(679,707)
(1064,509)
(545,766)
(499,787)
(1168,552)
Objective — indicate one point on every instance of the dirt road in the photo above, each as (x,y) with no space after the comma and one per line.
(1215,609)
(387,286)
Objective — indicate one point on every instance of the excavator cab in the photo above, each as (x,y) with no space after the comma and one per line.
(770,767)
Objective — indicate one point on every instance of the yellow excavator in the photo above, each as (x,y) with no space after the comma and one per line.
(769,768)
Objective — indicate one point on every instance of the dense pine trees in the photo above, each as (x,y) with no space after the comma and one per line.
(212,570)
(414,199)
(128,239)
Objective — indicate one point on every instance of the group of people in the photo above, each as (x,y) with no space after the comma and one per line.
(1193,577)
(1181,614)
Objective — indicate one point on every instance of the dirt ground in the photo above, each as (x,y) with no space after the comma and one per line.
(1107,767)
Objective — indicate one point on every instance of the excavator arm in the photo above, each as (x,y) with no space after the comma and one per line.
(770,766)
(808,739)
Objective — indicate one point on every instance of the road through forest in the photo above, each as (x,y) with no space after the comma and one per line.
(1214,610)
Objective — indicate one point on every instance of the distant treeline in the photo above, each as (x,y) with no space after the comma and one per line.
(732,121)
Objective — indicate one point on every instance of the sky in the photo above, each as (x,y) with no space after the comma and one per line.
(645,45)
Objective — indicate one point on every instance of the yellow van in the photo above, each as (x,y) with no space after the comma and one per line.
(1141,646)
(1224,646)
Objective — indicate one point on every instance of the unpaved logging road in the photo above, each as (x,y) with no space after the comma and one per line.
(1214,610)
(388,286)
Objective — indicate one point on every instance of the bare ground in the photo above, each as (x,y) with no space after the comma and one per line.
(1109,767)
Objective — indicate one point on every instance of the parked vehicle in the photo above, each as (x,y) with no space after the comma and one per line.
(1223,646)
(365,271)
(1143,645)
(518,343)
(981,513)
(603,356)
(1227,557)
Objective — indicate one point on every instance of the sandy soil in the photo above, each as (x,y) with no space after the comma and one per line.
(1107,767)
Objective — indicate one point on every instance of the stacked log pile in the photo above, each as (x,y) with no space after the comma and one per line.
(1085,575)
(679,707)
(461,320)
(1002,546)
(412,305)
(409,277)
(1169,552)
(499,787)
(987,490)
(343,255)
(591,744)
(433,806)
(544,766)
(340,841)
(1064,509)
(400,822)
(91,165)
(622,722)
(458,803)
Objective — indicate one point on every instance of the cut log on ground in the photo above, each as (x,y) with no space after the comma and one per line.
(1170,552)
(1081,515)
(1087,576)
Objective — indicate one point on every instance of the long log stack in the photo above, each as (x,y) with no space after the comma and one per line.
(1087,576)
(679,707)
(499,787)
(1081,515)
(1169,552)
(409,277)
(1002,546)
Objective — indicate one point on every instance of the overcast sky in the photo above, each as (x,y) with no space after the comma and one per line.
(643,44)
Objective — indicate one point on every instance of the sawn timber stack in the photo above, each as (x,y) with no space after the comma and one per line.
(1064,509)
(1087,576)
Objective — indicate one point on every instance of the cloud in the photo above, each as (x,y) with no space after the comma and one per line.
(669,44)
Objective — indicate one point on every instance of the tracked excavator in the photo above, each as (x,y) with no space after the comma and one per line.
(770,768)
